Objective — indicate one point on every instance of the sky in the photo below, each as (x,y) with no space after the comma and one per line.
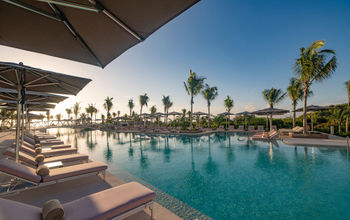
(242,47)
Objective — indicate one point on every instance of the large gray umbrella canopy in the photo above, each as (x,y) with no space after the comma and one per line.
(270,111)
(199,113)
(13,75)
(313,108)
(26,78)
(27,104)
(88,31)
(35,108)
(11,94)
(243,113)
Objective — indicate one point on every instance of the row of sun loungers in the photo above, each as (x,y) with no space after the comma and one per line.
(36,154)
(262,136)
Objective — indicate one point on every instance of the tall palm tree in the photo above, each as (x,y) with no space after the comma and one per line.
(69,112)
(295,93)
(273,97)
(76,109)
(167,105)
(228,103)
(95,112)
(153,110)
(347,117)
(313,65)
(131,105)
(59,117)
(209,93)
(90,110)
(193,87)
(143,99)
(108,106)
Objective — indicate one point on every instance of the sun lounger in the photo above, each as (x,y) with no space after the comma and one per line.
(114,203)
(41,136)
(264,136)
(28,159)
(28,174)
(46,142)
(274,127)
(251,128)
(48,153)
(241,128)
(295,130)
(60,146)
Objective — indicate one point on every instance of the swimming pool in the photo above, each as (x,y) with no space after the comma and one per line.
(228,176)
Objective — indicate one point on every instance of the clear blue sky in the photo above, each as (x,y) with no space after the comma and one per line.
(242,47)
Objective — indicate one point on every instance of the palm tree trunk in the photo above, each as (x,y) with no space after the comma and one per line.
(339,127)
(294,107)
(304,112)
(191,111)
(208,115)
(141,111)
(347,124)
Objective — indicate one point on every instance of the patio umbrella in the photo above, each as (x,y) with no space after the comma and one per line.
(227,115)
(11,94)
(311,109)
(26,78)
(245,113)
(271,112)
(199,113)
(174,114)
(90,31)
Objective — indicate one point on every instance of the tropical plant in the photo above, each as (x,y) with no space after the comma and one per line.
(312,66)
(273,97)
(209,93)
(76,110)
(107,105)
(59,117)
(114,114)
(69,112)
(131,105)
(153,110)
(193,87)
(167,105)
(83,117)
(295,93)
(337,117)
(48,116)
(103,118)
(143,99)
(228,103)
(95,112)
(90,110)
(347,117)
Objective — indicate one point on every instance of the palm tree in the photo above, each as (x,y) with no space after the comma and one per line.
(95,112)
(90,110)
(76,109)
(153,110)
(295,93)
(83,117)
(108,106)
(59,117)
(209,93)
(69,112)
(48,116)
(167,105)
(313,65)
(273,97)
(347,117)
(131,105)
(143,101)
(193,87)
(337,116)
(103,118)
(228,103)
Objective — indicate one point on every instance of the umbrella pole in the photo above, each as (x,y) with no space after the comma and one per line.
(22,132)
(18,121)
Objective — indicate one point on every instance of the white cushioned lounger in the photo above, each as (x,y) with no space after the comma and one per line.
(114,203)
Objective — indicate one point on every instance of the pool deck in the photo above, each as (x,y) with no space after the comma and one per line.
(75,189)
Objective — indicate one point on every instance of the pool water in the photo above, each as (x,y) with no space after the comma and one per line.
(229,176)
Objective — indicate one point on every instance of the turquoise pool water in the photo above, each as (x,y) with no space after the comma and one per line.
(228,176)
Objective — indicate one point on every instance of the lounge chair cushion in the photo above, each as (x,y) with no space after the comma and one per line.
(19,170)
(67,158)
(109,203)
(39,158)
(42,170)
(75,170)
(11,210)
(52,210)
(22,156)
